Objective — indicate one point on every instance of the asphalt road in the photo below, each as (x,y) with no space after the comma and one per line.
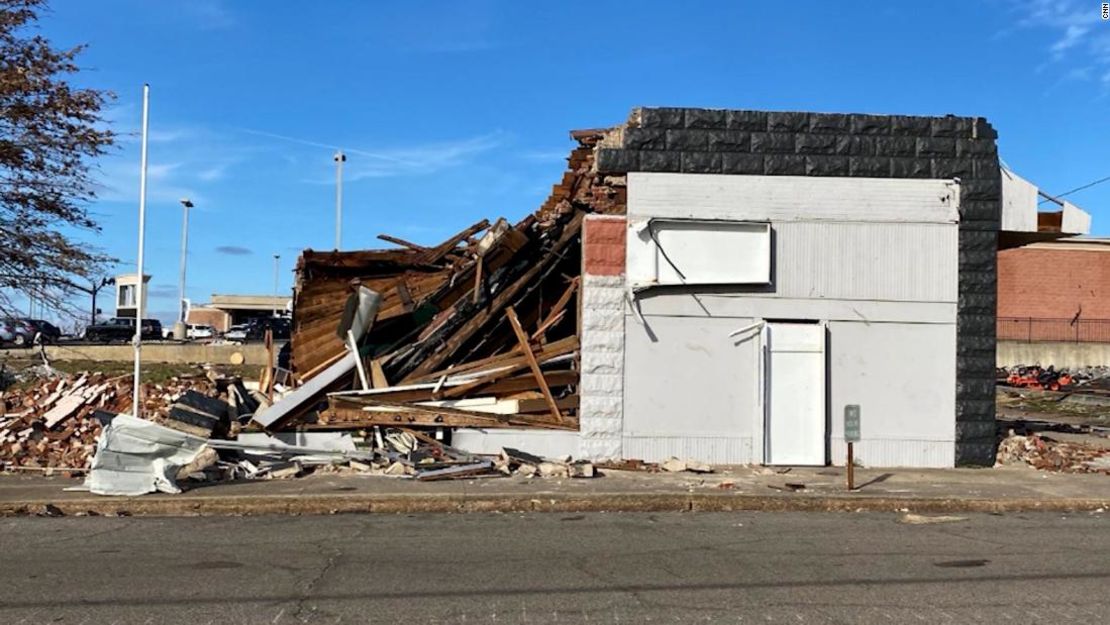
(594,568)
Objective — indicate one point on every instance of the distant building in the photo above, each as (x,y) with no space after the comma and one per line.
(1055,291)
(224,311)
(127,287)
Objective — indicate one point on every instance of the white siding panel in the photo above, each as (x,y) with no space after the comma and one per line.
(867,261)
(771,198)
(653,303)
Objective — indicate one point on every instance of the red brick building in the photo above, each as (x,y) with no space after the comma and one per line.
(1058,290)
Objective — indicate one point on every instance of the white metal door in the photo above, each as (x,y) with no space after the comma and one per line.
(794,388)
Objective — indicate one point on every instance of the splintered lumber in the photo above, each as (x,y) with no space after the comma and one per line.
(479,320)
(535,366)
(437,253)
(402,242)
(558,310)
(359,412)
(65,409)
(450,473)
(377,375)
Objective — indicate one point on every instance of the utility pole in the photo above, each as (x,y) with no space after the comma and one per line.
(136,397)
(276,258)
(93,290)
(179,327)
(339,159)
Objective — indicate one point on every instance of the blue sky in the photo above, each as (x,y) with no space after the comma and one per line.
(455,111)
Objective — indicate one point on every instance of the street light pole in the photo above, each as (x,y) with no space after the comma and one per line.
(136,397)
(339,158)
(276,258)
(179,328)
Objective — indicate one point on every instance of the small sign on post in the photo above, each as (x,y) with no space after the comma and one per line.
(851,436)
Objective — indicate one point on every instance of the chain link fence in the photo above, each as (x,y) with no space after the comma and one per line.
(1033,329)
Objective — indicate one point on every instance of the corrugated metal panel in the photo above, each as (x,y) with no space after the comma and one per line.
(721,449)
(770,198)
(919,453)
(867,261)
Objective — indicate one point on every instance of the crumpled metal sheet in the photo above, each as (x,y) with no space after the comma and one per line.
(135,456)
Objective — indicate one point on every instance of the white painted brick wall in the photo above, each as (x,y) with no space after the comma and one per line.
(601,394)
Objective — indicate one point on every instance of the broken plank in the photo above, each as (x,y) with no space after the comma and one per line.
(535,366)
(403,243)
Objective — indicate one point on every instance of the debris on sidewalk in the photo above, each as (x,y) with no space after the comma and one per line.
(910,518)
(1046,454)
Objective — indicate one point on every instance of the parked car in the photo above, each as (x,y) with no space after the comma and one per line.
(237,333)
(122,329)
(199,331)
(18,332)
(47,332)
(282,328)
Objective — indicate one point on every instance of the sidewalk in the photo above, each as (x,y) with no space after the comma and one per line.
(730,488)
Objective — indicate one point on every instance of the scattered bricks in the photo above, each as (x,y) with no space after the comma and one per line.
(705,118)
(830,123)
(827,165)
(939,146)
(910,168)
(662,118)
(660,162)
(768,143)
(611,160)
(852,145)
(787,122)
(645,139)
(673,465)
(895,146)
(729,141)
(687,140)
(946,168)
(869,167)
(870,124)
(553,470)
(814,144)
(701,163)
(910,126)
(746,120)
(742,164)
(784,165)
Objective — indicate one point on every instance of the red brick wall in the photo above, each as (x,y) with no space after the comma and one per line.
(206,316)
(603,245)
(1054,283)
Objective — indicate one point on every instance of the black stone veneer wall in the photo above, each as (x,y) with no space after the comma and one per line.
(704,141)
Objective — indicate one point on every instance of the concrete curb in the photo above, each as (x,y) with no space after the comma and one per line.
(538,502)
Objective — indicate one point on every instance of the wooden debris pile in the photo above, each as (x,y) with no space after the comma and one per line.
(478,331)
(1046,454)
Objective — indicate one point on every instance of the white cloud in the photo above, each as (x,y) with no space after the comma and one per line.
(1072,37)
(1080,37)
(386,162)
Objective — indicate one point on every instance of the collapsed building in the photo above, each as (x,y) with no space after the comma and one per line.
(708,284)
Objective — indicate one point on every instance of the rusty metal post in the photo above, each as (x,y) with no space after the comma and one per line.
(851,468)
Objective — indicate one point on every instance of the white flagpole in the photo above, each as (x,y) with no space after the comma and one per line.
(136,405)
